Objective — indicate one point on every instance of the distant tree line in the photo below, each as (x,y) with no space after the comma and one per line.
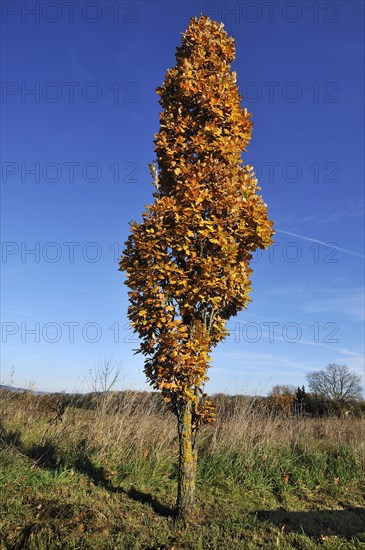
(334,391)
(299,402)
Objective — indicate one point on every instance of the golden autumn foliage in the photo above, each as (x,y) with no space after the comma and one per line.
(281,399)
(188,261)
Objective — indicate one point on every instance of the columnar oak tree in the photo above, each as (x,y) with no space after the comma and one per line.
(187,262)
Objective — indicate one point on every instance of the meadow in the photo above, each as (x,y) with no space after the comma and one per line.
(102,474)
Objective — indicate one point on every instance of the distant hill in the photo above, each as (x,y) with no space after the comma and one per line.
(11,388)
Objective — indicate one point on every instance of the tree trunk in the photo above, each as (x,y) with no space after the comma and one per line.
(187,464)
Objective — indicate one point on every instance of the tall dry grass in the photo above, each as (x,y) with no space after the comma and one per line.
(139,425)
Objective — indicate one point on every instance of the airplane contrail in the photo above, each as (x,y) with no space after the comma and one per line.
(345,250)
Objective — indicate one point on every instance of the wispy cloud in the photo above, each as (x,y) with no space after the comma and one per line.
(258,361)
(271,333)
(84,290)
(345,302)
(15,311)
(340,215)
(87,291)
(350,305)
(305,238)
(347,210)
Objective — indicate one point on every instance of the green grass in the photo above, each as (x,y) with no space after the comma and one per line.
(70,488)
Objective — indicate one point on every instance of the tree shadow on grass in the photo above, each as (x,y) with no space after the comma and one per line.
(348,523)
(84,465)
(147,498)
(10,438)
(97,475)
(47,455)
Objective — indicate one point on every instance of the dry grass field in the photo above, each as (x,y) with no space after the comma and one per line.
(104,477)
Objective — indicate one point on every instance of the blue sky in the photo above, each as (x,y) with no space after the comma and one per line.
(74,173)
